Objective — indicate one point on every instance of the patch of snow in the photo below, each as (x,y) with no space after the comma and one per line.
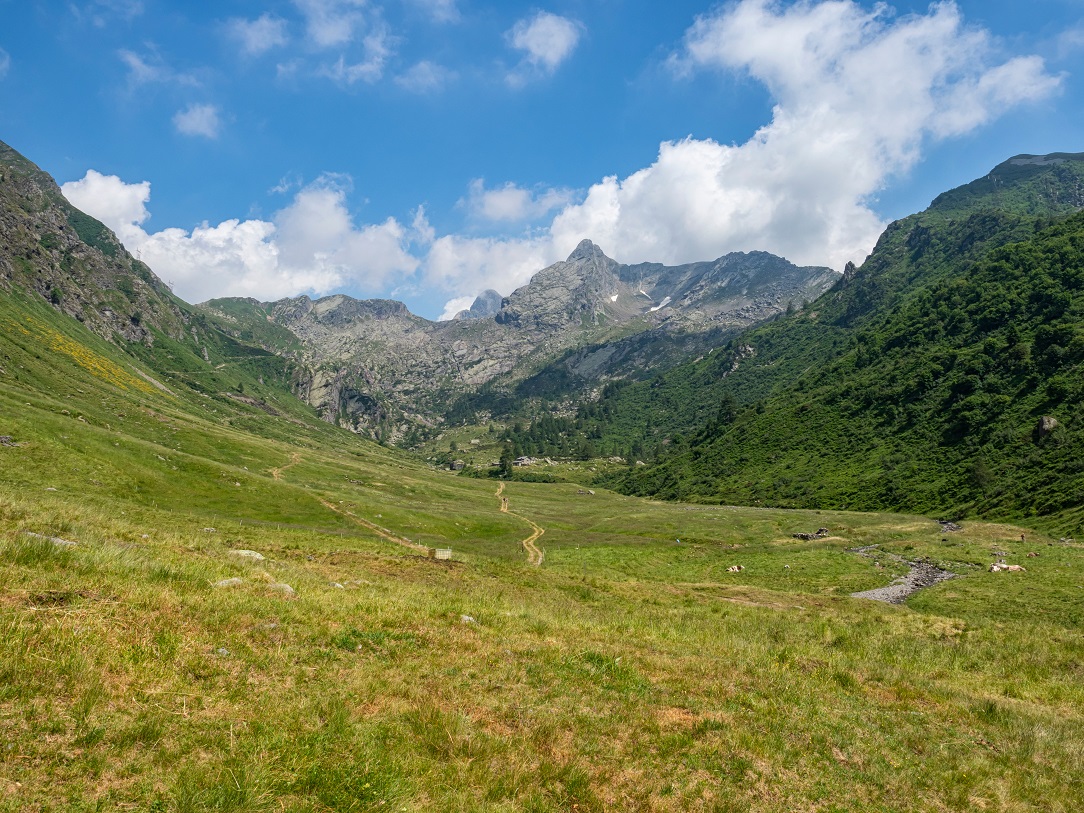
(613,298)
(661,305)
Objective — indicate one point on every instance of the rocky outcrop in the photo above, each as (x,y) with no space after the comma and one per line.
(74,262)
(485,304)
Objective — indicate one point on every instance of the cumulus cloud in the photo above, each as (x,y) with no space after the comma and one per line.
(312,245)
(858,95)
(546,41)
(120,206)
(258,36)
(454,306)
(198,120)
(472,264)
(511,203)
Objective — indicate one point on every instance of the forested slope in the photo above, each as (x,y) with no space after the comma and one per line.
(918,383)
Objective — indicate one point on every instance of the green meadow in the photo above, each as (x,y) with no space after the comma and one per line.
(630,671)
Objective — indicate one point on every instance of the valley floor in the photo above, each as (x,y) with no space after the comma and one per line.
(630,671)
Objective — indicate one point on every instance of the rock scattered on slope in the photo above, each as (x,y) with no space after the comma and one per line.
(60,543)
(234,582)
(247,554)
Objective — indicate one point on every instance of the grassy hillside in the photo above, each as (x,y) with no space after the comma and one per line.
(629,671)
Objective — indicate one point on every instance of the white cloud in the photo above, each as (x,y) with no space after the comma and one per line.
(151,69)
(120,206)
(425,77)
(331,23)
(312,245)
(472,264)
(454,306)
(546,41)
(511,203)
(377,49)
(260,35)
(858,96)
(140,70)
(424,234)
(1071,40)
(440,11)
(5,63)
(198,120)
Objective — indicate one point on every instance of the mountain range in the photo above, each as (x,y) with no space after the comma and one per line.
(375,367)
(941,375)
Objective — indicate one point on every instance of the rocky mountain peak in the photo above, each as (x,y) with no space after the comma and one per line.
(485,304)
(586,250)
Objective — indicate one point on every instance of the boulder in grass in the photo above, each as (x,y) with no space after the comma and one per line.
(248,554)
(234,582)
(735,569)
(56,540)
(282,587)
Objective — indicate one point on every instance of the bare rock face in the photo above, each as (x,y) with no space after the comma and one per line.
(374,364)
(485,304)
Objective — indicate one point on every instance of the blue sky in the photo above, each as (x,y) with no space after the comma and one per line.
(428,149)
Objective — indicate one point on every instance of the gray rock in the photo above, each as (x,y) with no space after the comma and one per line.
(485,304)
(466,619)
(247,554)
(234,582)
(60,543)
(1045,426)
(282,587)
(923,573)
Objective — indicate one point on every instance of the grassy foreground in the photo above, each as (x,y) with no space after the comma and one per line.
(629,672)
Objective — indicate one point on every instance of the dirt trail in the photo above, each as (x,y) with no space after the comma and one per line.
(922,574)
(384,533)
(534,555)
(295,458)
